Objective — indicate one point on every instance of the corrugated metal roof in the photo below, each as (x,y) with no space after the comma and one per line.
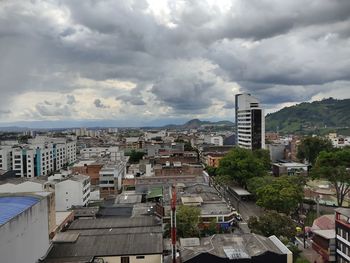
(11,206)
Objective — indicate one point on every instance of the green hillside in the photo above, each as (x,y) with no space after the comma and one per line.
(316,117)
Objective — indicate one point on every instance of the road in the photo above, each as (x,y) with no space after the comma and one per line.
(245,208)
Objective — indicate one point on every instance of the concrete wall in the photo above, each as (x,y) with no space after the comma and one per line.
(68,193)
(25,238)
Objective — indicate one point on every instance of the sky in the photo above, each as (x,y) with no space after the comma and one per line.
(141,62)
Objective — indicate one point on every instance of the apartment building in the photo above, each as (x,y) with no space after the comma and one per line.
(40,157)
(250,122)
(342,238)
(111,176)
(70,190)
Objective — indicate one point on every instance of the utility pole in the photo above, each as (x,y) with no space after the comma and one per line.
(173,224)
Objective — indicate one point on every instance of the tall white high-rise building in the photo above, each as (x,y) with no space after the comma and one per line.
(250,122)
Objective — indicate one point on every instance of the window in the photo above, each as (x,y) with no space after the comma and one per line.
(124,260)
(140,257)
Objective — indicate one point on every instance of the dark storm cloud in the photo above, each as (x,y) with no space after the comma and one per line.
(133,100)
(281,51)
(98,104)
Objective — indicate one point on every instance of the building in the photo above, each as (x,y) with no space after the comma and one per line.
(222,248)
(111,176)
(289,168)
(125,240)
(214,139)
(250,122)
(90,168)
(213,159)
(40,157)
(342,238)
(70,190)
(6,158)
(323,238)
(24,227)
(151,135)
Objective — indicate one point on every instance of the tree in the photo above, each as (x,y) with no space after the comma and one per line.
(282,195)
(241,165)
(255,183)
(310,147)
(264,156)
(273,223)
(187,218)
(335,167)
(135,156)
(211,170)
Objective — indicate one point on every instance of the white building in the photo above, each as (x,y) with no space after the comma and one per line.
(213,139)
(40,157)
(111,176)
(114,153)
(6,158)
(149,135)
(250,122)
(24,227)
(70,190)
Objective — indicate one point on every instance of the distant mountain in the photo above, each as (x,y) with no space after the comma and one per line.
(311,117)
(196,123)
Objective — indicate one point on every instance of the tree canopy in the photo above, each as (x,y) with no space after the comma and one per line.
(310,147)
(282,194)
(335,167)
(135,156)
(273,223)
(187,218)
(242,164)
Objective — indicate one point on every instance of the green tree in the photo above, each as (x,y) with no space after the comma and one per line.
(273,223)
(241,165)
(264,156)
(310,147)
(281,195)
(135,156)
(335,167)
(255,183)
(187,218)
(212,171)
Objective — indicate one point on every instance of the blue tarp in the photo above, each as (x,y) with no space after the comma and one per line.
(11,206)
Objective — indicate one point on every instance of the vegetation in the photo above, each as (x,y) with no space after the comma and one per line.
(273,223)
(282,194)
(335,167)
(211,229)
(310,147)
(242,164)
(311,118)
(187,218)
(212,171)
(255,183)
(135,156)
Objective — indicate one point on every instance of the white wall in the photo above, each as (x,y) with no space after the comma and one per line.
(21,188)
(25,238)
(67,194)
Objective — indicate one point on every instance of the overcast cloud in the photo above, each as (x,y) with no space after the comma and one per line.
(64,60)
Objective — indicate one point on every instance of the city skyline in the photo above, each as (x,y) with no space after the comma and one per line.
(161,62)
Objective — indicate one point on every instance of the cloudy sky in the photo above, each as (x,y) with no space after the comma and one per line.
(138,62)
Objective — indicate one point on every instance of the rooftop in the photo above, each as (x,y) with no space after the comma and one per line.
(232,246)
(12,206)
(343,211)
(107,223)
(87,244)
